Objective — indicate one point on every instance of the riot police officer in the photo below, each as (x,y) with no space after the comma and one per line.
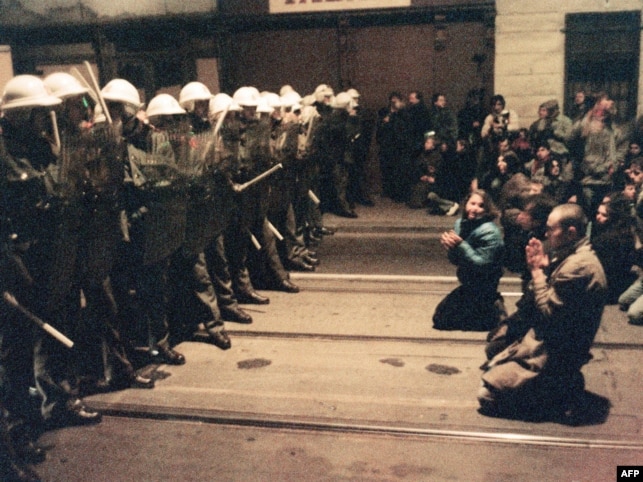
(38,248)
(93,154)
(193,297)
(156,213)
(224,112)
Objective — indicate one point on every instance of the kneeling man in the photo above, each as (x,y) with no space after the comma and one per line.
(541,372)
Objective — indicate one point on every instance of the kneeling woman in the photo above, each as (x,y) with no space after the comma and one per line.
(476,247)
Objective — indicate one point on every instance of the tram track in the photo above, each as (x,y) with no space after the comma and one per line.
(418,340)
(468,436)
(472,433)
(316,403)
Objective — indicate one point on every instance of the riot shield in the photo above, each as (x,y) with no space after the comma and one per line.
(162,191)
(199,161)
(92,171)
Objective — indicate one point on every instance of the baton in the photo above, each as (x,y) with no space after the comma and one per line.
(54,125)
(222,116)
(124,226)
(245,185)
(76,73)
(313,198)
(9,298)
(255,242)
(98,93)
(275,231)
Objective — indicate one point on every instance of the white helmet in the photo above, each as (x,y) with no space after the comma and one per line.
(263,106)
(308,112)
(191,92)
(246,96)
(291,99)
(308,100)
(27,91)
(321,91)
(120,90)
(353,93)
(273,99)
(342,101)
(164,104)
(63,85)
(220,102)
(285,89)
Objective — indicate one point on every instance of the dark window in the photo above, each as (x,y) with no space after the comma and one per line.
(602,54)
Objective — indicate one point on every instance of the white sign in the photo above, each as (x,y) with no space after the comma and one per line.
(300,6)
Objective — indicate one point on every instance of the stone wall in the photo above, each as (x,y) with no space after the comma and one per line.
(530,50)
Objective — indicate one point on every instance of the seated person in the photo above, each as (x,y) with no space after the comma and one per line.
(613,240)
(430,186)
(506,165)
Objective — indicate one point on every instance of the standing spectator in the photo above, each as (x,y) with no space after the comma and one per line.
(476,247)
(394,135)
(500,123)
(580,107)
(553,127)
(470,118)
(540,374)
(419,120)
(603,146)
(443,121)
(389,126)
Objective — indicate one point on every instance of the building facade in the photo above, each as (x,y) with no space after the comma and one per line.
(528,51)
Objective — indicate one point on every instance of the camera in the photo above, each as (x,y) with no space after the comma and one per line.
(503,118)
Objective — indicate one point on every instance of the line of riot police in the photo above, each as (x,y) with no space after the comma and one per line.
(126,231)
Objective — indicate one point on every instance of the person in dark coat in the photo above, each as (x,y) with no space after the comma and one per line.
(613,240)
(394,137)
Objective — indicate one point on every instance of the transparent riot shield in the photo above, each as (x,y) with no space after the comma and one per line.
(162,191)
(200,163)
(92,171)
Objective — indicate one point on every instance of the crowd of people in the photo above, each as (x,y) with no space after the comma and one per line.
(128,228)
(560,204)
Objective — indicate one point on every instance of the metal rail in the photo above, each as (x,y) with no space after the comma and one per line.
(409,339)
(174,414)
